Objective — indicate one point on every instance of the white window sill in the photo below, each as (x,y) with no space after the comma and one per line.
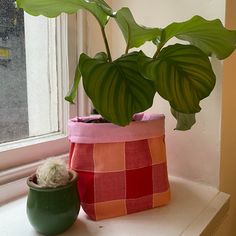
(195,209)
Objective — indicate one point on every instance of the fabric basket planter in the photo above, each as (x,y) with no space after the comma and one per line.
(121,170)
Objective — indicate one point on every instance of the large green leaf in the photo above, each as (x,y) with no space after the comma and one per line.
(182,74)
(134,34)
(117,89)
(184,121)
(53,8)
(101,56)
(210,36)
(106,8)
(73,91)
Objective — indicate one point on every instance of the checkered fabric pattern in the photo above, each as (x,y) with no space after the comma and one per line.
(122,177)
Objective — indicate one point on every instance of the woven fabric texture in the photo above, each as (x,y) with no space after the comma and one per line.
(120,178)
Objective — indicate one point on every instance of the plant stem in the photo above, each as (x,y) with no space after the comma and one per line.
(127,49)
(106,44)
(157,51)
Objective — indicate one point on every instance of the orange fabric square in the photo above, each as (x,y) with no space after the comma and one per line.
(110,209)
(109,157)
(157,150)
(160,199)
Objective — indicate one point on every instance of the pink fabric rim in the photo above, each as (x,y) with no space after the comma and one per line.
(145,126)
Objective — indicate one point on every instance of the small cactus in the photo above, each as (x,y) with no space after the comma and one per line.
(53,173)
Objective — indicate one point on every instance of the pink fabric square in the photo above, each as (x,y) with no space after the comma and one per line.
(160,178)
(109,186)
(137,154)
(145,127)
(82,157)
(139,204)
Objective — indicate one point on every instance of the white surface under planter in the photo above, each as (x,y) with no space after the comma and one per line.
(195,209)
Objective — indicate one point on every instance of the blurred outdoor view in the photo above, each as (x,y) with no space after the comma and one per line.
(13,87)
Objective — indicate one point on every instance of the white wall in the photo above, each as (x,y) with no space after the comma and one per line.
(193,154)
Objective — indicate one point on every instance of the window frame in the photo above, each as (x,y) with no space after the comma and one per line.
(18,156)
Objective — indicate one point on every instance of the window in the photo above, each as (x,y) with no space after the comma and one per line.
(29,81)
(13,89)
(35,75)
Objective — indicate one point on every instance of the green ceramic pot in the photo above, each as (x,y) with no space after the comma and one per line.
(52,210)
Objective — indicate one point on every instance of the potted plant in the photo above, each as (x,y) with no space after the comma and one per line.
(122,87)
(53,202)
(180,73)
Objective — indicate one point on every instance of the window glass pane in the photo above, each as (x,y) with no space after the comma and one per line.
(13,95)
(28,74)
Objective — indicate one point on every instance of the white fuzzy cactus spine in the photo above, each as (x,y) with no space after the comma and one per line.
(53,173)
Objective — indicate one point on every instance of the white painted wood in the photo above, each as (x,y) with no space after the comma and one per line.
(12,190)
(13,181)
(84,104)
(190,201)
(33,149)
(210,218)
(40,48)
(19,172)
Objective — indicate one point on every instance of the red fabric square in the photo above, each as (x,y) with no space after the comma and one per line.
(82,157)
(109,186)
(89,209)
(139,204)
(86,193)
(137,154)
(160,178)
(139,182)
